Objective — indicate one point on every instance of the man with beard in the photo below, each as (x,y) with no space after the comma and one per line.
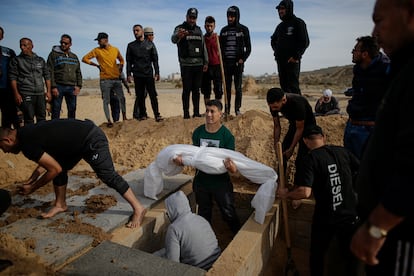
(289,42)
(193,58)
(109,73)
(369,84)
(235,47)
(142,61)
(385,242)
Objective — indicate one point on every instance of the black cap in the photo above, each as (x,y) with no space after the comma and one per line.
(101,35)
(192,12)
(312,130)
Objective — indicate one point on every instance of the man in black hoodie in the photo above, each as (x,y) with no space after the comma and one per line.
(235,47)
(289,42)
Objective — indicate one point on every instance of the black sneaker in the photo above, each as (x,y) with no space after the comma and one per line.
(159,118)
(197,115)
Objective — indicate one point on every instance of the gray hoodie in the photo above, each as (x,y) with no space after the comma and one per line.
(190,238)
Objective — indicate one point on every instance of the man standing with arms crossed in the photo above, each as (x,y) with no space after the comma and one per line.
(65,75)
(385,184)
(107,56)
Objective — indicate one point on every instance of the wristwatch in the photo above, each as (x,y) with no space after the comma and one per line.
(376,232)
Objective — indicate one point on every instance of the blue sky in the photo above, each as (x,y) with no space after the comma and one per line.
(333,26)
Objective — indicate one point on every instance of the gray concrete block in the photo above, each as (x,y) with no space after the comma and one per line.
(110,258)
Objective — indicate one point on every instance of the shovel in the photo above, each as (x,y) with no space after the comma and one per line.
(223,81)
(290,268)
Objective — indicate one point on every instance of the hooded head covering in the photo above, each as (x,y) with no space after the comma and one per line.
(327,93)
(288,5)
(177,205)
(234,10)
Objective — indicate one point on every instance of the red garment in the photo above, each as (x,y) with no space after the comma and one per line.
(212,49)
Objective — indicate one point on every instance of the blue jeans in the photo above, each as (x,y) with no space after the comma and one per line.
(67,92)
(116,86)
(356,138)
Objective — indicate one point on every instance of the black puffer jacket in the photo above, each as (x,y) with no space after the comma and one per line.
(243,42)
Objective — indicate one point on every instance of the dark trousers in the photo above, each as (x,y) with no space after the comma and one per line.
(224,198)
(191,77)
(213,74)
(330,251)
(33,106)
(233,71)
(114,103)
(144,85)
(66,92)
(8,109)
(96,153)
(5,201)
(289,76)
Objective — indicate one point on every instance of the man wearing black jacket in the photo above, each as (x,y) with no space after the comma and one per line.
(235,47)
(289,41)
(385,182)
(142,61)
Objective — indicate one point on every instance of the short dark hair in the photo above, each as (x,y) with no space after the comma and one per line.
(25,38)
(216,103)
(274,94)
(66,36)
(137,25)
(210,19)
(369,44)
(2,30)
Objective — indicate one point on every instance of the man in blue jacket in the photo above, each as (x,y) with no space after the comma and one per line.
(289,42)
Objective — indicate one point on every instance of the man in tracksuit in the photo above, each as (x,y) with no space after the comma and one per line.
(65,75)
(26,73)
(235,47)
(289,41)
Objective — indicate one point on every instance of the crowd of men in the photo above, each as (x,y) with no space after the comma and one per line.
(362,190)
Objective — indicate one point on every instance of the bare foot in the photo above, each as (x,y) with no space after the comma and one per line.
(54,211)
(136,219)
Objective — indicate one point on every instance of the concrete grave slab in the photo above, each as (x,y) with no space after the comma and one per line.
(54,247)
(110,258)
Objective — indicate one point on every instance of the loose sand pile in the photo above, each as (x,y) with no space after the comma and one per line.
(135,144)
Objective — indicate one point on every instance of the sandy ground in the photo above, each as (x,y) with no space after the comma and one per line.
(134,144)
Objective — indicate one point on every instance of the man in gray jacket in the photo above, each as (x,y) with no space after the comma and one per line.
(66,76)
(190,238)
(27,72)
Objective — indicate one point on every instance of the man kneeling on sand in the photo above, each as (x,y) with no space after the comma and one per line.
(57,146)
